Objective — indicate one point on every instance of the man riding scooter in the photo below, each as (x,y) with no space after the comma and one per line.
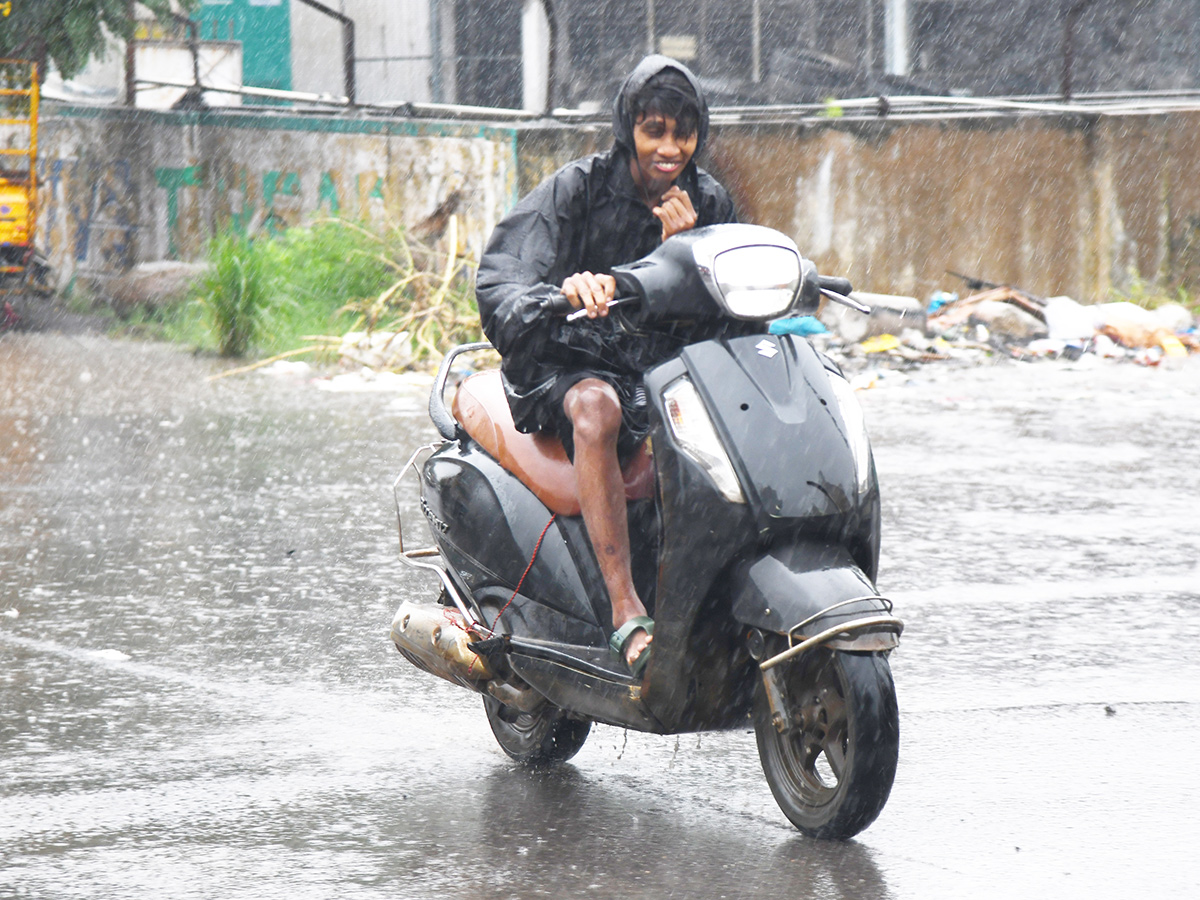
(759,567)
(582,381)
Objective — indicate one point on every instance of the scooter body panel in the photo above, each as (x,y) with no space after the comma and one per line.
(488,526)
(702,675)
(604,700)
(777,387)
(716,574)
(792,583)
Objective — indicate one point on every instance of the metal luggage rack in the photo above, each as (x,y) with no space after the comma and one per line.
(888,623)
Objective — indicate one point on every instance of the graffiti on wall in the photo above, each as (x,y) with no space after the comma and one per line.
(91,224)
(248,202)
(171,181)
(93,204)
(259,202)
(121,192)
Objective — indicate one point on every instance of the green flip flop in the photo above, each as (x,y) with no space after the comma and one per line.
(621,637)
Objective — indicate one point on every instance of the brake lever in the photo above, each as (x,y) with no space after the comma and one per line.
(846,301)
(582,313)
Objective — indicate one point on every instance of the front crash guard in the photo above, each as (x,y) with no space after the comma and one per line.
(816,595)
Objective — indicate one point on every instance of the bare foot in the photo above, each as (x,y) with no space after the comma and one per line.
(638,641)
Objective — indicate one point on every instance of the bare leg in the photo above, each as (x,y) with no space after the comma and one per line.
(595,413)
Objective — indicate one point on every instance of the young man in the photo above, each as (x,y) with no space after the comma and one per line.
(582,381)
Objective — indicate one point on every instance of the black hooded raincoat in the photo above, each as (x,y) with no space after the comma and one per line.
(586,217)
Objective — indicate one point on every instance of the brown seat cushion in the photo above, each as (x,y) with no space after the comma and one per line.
(537,459)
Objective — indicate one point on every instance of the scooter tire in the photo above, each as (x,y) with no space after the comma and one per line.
(540,738)
(832,771)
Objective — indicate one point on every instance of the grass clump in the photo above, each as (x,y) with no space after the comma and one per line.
(306,288)
(237,291)
(431,296)
(324,270)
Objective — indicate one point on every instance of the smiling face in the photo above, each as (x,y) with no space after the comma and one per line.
(662,151)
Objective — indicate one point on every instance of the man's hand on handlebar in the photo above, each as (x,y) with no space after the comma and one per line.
(590,292)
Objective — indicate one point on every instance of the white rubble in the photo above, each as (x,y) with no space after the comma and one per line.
(377,349)
(890,314)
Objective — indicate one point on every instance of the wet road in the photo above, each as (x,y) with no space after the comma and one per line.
(198,697)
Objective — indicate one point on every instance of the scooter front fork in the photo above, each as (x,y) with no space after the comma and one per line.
(773,682)
(777,699)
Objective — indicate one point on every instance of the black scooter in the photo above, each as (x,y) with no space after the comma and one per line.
(757,497)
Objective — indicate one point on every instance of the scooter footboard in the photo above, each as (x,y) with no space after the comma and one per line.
(814,594)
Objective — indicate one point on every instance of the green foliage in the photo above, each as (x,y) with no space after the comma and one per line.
(309,286)
(179,323)
(321,269)
(14,76)
(1150,294)
(431,297)
(237,290)
(69,32)
(335,258)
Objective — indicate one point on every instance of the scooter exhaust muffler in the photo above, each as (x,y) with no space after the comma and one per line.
(435,638)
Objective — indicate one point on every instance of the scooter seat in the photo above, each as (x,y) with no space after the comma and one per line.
(538,460)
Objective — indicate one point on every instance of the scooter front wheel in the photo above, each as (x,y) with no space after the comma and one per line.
(538,738)
(832,768)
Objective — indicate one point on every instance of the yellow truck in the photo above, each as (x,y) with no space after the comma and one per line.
(20,266)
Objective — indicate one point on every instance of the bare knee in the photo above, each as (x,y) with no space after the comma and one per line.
(594,409)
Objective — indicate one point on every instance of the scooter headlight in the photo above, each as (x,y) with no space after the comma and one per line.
(856,429)
(693,430)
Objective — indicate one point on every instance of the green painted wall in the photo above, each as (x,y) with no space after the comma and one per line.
(265,30)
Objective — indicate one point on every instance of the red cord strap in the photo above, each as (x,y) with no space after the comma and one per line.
(517,589)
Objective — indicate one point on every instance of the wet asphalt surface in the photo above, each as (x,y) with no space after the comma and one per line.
(198,698)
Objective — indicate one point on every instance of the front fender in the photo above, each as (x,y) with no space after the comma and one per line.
(817,586)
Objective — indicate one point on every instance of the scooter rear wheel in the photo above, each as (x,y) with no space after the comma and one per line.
(539,738)
(831,771)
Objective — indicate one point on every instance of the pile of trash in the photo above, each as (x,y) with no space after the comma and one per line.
(899,333)
(902,331)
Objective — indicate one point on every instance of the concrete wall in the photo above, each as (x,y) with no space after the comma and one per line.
(1052,205)
(894,208)
(124,186)
(1056,206)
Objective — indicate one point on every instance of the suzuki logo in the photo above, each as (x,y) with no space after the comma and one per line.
(766,348)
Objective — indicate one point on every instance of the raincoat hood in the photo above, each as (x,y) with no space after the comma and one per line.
(649,67)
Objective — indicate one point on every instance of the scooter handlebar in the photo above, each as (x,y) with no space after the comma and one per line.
(559,305)
(838,290)
(616,301)
(833,283)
